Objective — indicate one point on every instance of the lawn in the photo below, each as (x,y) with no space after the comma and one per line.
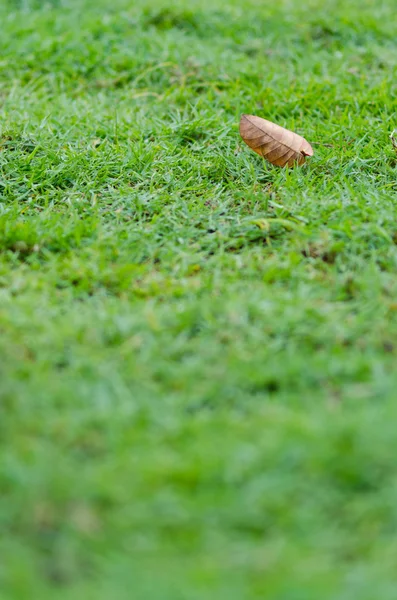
(198,350)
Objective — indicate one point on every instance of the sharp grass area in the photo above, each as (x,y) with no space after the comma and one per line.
(198,351)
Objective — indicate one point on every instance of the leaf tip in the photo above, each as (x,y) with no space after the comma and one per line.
(306,149)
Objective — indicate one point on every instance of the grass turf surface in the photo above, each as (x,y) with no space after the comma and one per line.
(198,351)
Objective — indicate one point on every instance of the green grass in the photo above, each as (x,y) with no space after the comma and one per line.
(198,351)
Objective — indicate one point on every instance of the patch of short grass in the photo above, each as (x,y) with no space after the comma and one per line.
(198,350)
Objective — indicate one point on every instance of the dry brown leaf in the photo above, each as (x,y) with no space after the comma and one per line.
(278,145)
